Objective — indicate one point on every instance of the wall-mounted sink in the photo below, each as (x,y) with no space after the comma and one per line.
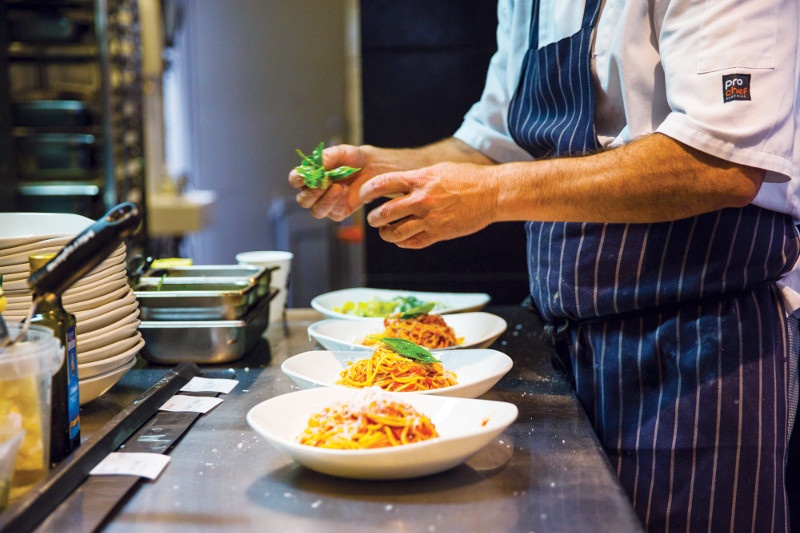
(173,215)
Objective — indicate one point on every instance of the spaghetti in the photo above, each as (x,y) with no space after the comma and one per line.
(375,423)
(430,331)
(393,372)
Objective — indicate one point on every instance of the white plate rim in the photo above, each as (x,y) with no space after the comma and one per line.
(466,301)
(114,331)
(320,331)
(95,282)
(114,315)
(32,246)
(69,223)
(99,300)
(20,270)
(98,366)
(96,312)
(99,384)
(109,350)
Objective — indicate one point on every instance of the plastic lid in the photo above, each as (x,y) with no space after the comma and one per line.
(38,352)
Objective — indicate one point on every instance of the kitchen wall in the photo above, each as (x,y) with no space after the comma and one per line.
(260,78)
(438,53)
(251,81)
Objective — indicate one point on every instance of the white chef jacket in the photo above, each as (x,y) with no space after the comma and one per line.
(670,66)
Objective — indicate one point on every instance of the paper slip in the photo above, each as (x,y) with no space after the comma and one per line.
(193,404)
(198,384)
(148,465)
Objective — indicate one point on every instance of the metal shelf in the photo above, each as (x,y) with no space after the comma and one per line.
(96,63)
(59,188)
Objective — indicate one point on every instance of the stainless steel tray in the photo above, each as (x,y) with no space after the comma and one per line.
(205,341)
(201,293)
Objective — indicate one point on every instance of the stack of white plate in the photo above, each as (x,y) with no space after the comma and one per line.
(104,305)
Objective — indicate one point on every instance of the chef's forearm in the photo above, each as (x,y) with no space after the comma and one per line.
(400,159)
(653,179)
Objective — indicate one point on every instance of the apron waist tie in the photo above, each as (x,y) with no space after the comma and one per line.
(556,330)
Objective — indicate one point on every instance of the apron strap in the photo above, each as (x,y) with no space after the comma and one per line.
(590,13)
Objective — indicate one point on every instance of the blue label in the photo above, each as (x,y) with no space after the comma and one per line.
(74,403)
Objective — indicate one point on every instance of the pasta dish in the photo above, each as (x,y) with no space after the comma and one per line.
(393,372)
(374,423)
(380,308)
(430,331)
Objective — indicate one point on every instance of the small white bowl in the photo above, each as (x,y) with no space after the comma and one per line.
(446,302)
(477,371)
(479,330)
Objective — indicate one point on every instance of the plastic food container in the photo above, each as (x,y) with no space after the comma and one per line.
(10,439)
(26,370)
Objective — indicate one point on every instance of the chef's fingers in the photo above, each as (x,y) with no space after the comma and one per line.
(390,212)
(343,155)
(308,197)
(295,180)
(407,233)
(331,204)
(392,184)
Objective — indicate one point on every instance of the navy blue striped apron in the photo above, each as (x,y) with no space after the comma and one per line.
(674,334)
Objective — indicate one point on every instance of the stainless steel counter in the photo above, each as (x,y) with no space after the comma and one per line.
(544,473)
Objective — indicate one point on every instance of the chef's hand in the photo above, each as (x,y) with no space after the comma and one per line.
(341,199)
(432,204)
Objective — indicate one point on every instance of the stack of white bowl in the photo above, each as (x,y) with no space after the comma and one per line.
(104,305)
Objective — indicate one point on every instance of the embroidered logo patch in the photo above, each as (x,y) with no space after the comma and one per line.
(735,87)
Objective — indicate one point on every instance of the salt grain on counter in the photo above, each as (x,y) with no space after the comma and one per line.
(389,507)
(316,504)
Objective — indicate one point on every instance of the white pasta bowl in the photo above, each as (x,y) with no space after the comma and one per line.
(465,426)
(478,330)
(477,370)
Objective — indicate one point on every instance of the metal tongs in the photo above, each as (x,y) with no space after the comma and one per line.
(83,253)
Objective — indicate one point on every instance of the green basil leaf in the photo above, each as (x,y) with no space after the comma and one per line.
(409,350)
(342,172)
(317,179)
(306,161)
(316,155)
(423,309)
(404,303)
(313,172)
(304,171)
